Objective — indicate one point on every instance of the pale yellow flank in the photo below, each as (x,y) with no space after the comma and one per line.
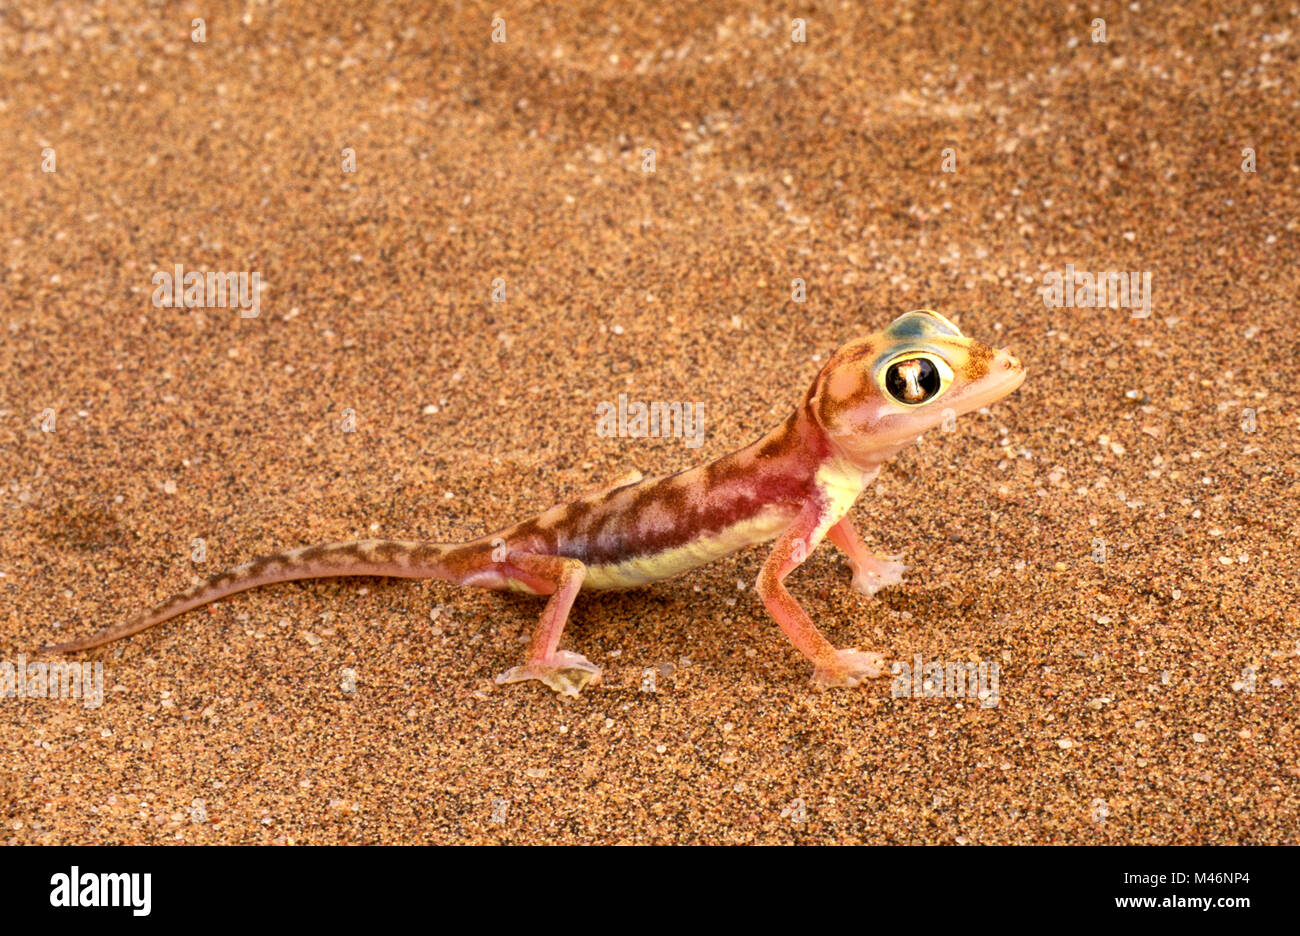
(840,483)
(645,569)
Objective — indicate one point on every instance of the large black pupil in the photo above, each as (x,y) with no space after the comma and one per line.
(902,385)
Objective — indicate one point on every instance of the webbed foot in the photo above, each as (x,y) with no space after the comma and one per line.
(880,573)
(565,672)
(849,669)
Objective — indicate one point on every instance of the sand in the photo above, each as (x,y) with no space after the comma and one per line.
(1149,697)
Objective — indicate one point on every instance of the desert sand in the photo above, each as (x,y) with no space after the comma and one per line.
(1118,537)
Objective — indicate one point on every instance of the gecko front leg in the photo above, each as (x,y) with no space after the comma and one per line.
(561,578)
(831,667)
(871,573)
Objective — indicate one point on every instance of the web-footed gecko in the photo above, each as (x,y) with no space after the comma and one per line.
(795,485)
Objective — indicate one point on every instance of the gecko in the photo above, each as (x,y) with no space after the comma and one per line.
(793,488)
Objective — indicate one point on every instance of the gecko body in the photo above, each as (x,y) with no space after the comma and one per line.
(792,487)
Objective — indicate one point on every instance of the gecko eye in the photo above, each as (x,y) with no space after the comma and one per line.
(916,380)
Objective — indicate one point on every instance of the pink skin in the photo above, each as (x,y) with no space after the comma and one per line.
(794,486)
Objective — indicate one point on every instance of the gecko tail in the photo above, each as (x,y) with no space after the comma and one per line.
(387,558)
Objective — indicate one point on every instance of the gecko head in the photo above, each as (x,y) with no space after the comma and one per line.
(876,395)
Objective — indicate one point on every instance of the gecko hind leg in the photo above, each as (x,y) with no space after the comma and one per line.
(560,578)
(871,573)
